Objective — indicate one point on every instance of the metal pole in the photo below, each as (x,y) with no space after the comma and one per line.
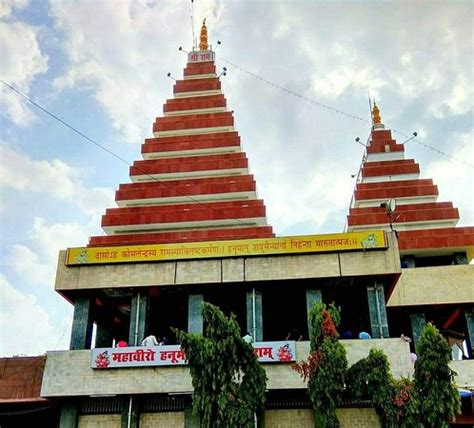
(129,418)
(254,317)
(137,318)
(379,318)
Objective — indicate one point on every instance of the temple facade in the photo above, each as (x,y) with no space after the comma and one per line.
(189,228)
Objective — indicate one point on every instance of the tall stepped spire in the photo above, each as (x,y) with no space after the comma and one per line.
(193,183)
(422,223)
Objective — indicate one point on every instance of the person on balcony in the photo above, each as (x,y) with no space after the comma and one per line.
(364,335)
(150,340)
(248,338)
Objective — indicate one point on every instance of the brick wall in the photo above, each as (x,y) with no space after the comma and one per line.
(162,420)
(99,421)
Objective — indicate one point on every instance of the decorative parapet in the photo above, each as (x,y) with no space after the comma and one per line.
(69,373)
(434,285)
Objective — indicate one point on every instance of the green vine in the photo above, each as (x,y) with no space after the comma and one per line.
(430,400)
(438,398)
(229,382)
(325,366)
(393,400)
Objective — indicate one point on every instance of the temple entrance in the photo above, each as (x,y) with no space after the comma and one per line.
(167,309)
(232,300)
(284,312)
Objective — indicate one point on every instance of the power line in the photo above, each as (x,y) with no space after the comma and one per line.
(433,149)
(335,110)
(295,94)
(100,146)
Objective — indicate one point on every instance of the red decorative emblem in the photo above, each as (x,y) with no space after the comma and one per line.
(102,361)
(284,353)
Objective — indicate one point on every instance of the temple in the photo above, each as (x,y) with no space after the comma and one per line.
(193,183)
(390,195)
(189,228)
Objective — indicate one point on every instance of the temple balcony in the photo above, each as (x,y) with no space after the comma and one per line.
(70,373)
(434,285)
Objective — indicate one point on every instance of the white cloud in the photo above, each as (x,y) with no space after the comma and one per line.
(53,177)
(26,263)
(313,204)
(6,6)
(20,172)
(126,69)
(449,178)
(36,264)
(34,257)
(22,61)
(57,236)
(25,326)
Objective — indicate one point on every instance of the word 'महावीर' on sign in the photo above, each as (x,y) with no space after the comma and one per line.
(172,355)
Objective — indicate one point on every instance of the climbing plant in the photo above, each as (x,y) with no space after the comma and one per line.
(393,400)
(429,400)
(324,369)
(438,398)
(229,382)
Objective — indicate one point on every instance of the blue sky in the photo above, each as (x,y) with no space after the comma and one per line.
(102,66)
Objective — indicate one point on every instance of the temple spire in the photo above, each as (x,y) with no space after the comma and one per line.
(203,44)
(376,118)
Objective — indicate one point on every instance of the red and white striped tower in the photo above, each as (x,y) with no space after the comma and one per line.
(193,183)
(423,224)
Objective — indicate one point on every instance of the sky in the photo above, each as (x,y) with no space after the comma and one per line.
(102,67)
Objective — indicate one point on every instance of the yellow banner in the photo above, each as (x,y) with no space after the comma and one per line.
(367,240)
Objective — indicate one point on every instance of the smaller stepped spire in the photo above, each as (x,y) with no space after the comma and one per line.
(203,45)
(424,224)
(376,118)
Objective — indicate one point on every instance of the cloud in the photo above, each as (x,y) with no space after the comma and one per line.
(57,236)
(25,327)
(34,257)
(6,6)
(313,205)
(22,61)
(448,178)
(26,263)
(20,172)
(36,264)
(52,177)
(125,70)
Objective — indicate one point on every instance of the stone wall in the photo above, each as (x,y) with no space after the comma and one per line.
(69,373)
(358,418)
(162,420)
(99,421)
(303,418)
(434,285)
(286,418)
(465,373)
(259,268)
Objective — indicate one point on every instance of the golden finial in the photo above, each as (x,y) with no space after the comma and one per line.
(203,45)
(376,119)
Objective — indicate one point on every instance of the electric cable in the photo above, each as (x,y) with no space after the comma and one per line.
(121,159)
(335,110)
